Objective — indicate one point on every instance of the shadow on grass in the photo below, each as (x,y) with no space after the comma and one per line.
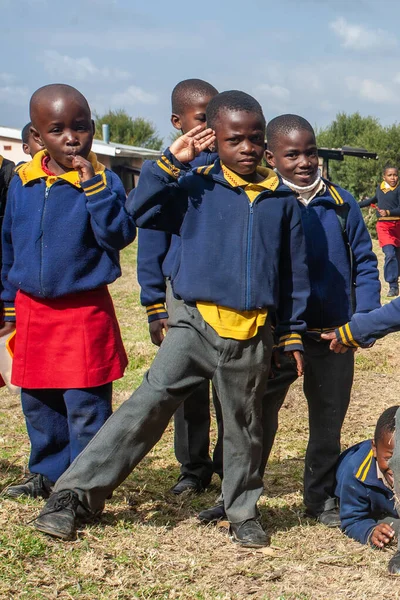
(9,471)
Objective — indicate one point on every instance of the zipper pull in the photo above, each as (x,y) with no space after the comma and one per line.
(46,192)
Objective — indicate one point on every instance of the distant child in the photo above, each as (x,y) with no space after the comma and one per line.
(29,145)
(157,253)
(365,486)
(343,278)
(387,196)
(64,226)
(242,255)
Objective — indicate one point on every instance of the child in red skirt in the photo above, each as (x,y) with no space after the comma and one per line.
(64,226)
(387,197)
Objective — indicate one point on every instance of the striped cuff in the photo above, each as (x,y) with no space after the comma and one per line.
(166,165)
(345,337)
(156,312)
(290,342)
(95,185)
(9,311)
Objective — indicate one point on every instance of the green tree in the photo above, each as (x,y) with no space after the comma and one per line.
(126,130)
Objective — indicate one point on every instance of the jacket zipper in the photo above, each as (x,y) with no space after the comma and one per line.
(248,258)
(46,195)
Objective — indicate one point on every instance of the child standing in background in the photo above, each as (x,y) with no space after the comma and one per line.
(65,223)
(29,145)
(387,196)
(157,253)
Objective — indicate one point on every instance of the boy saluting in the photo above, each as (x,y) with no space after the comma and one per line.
(246,237)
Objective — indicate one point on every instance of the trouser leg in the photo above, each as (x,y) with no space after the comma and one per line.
(185,358)
(391,267)
(394,464)
(218,449)
(240,381)
(276,392)
(47,425)
(192,421)
(87,411)
(328,378)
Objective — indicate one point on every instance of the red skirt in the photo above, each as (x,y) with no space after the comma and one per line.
(388,233)
(68,342)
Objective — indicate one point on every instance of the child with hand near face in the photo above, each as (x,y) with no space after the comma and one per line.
(64,226)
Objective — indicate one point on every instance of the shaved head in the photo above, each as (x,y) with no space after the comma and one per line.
(57,95)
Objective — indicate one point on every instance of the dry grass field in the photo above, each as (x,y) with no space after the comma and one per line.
(149,546)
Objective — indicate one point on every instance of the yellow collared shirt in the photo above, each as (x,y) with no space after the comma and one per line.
(227,322)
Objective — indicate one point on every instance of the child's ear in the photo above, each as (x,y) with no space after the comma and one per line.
(269,157)
(176,122)
(36,136)
(93,127)
(25,148)
(374,448)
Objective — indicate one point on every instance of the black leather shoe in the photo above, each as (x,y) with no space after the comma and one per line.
(393,291)
(394,564)
(330,518)
(59,517)
(188,483)
(34,486)
(249,534)
(212,515)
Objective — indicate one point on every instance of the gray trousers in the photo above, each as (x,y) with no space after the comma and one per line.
(328,378)
(394,464)
(192,423)
(191,352)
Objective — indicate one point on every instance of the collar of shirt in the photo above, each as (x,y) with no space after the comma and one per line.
(385,187)
(308,194)
(270,181)
(33,170)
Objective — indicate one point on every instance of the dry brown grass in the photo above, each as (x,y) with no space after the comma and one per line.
(149,545)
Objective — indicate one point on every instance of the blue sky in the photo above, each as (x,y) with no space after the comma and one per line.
(313,58)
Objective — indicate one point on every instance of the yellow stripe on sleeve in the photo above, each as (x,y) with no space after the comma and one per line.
(365,461)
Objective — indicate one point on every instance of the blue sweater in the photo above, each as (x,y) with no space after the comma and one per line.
(62,239)
(332,281)
(157,253)
(389,200)
(363,498)
(234,253)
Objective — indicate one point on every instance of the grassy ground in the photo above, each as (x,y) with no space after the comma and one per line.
(149,545)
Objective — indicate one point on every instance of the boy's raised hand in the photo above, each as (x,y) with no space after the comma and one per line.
(381,535)
(189,145)
(84,168)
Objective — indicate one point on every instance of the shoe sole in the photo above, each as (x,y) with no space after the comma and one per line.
(210,521)
(54,532)
(247,544)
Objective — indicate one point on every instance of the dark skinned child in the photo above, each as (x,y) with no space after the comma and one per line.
(387,198)
(157,253)
(250,259)
(64,226)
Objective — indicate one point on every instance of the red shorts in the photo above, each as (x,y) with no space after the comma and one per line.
(68,342)
(388,233)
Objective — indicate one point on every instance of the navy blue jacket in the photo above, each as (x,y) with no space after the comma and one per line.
(389,200)
(363,498)
(234,253)
(157,253)
(333,282)
(65,238)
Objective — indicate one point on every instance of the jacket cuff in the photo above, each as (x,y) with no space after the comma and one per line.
(155,312)
(171,165)
(9,311)
(290,342)
(345,336)
(94,185)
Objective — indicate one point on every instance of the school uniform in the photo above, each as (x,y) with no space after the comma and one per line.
(157,253)
(230,286)
(343,278)
(388,228)
(365,497)
(61,242)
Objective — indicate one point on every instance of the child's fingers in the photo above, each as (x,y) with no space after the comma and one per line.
(203,134)
(195,131)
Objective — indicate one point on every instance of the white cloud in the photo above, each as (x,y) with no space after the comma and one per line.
(371,90)
(14,94)
(275,92)
(359,37)
(7,78)
(132,95)
(78,69)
